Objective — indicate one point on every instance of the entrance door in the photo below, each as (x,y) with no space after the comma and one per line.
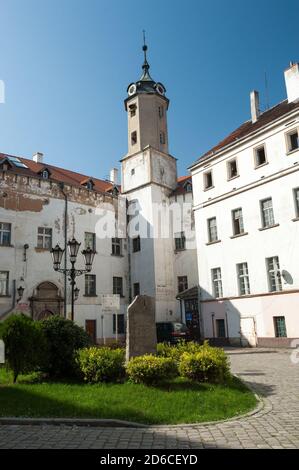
(91,330)
(192,317)
(248,331)
(220,328)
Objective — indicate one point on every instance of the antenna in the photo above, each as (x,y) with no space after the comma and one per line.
(266,91)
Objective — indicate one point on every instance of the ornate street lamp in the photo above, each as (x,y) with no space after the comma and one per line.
(73,246)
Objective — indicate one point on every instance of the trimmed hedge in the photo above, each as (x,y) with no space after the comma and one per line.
(101,364)
(150,370)
(175,351)
(210,364)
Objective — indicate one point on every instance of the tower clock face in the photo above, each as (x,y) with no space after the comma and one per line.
(160,89)
(132,89)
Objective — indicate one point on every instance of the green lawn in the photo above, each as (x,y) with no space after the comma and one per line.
(179,401)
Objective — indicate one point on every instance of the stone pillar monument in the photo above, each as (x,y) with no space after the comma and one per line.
(141,327)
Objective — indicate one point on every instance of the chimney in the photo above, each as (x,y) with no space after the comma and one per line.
(291,76)
(254,105)
(38,157)
(114,175)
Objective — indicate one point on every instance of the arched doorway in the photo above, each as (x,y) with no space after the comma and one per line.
(46,301)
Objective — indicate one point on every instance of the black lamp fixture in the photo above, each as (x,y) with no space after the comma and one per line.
(20,291)
(73,248)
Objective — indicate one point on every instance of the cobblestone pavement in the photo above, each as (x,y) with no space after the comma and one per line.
(271,374)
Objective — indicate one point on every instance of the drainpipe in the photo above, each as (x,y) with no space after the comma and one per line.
(129,256)
(13,301)
(213,325)
(61,187)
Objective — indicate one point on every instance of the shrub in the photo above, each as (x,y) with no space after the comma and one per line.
(176,351)
(25,344)
(63,338)
(207,365)
(149,369)
(101,364)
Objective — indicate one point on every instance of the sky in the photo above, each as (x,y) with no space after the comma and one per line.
(66,65)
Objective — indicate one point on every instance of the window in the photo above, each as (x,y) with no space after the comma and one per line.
(45,174)
(4,276)
(132,109)
(162,138)
(134,138)
(90,240)
(238,226)
(267,213)
(180,241)
(292,140)
(136,289)
(274,275)
(296,199)
(44,238)
(280,327)
(208,180)
(161,111)
(136,244)
(116,246)
(133,171)
(182,283)
(118,286)
(217,282)
(232,169)
(5,234)
(260,156)
(90,185)
(212,230)
(243,279)
(90,285)
(188,188)
(120,323)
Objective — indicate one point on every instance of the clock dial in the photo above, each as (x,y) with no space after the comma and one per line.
(160,88)
(132,89)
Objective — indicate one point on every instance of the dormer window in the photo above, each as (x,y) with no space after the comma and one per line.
(188,187)
(89,185)
(45,174)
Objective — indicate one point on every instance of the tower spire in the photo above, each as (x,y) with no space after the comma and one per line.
(145,66)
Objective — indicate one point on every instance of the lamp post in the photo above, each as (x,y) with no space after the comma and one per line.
(72,273)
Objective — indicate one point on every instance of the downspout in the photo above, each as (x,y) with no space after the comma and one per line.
(13,302)
(61,187)
(129,255)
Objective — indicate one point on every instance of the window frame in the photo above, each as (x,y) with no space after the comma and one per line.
(288,140)
(119,324)
(243,278)
(182,282)
(241,224)
(135,284)
(255,153)
(263,212)
(90,280)
(210,239)
(296,201)
(115,288)
(217,283)
(180,242)
(274,274)
(205,180)
(5,231)
(228,169)
(116,242)
(44,237)
(136,244)
(133,138)
(5,282)
(93,247)
(277,328)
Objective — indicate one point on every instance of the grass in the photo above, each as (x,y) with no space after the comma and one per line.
(178,401)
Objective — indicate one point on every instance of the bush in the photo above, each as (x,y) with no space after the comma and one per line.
(175,351)
(25,344)
(64,338)
(101,364)
(149,369)
(207,365)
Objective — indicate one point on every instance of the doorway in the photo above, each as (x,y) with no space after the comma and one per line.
(220,328)
(91,330)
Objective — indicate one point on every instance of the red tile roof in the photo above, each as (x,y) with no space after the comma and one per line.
(249,127)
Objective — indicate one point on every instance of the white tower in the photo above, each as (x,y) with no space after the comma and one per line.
(149,176)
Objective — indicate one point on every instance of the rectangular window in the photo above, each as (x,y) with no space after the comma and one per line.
(212,230)
(232,169)
(90,240)
(259,156)
(243,279)
(274,274)
(136,244)
(90,285)
(136,289)
(116,246)
(118,286)
(134,138)
(296,199)
(267,213)
(162,138)
(182,283)
(4,277)
(292,140)
(208,180)
(5,234)
(180,241)
(120,323)
(238,226)
(132,109)
(44,238)
(161,111)
(217,282)
(280,327)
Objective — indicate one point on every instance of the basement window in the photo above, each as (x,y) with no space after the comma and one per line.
(232,169)
(260,156)
(134,138)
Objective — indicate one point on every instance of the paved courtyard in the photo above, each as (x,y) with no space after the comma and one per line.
(271,374)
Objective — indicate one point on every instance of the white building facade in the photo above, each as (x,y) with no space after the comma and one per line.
(246,207)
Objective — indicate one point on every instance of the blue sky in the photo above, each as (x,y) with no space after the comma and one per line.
(66,65)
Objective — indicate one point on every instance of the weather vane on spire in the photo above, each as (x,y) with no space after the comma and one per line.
(144,47)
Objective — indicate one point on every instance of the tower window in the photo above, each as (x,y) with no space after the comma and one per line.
(132,109)
(133,171)
(134,138)
(162,138)
(161,111)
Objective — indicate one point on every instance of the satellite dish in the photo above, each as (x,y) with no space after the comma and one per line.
(287,277)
